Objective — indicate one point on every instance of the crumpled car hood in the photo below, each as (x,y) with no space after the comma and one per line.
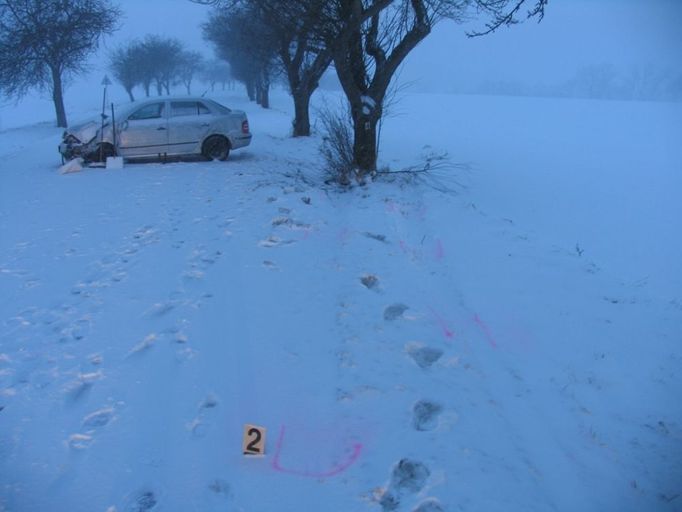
(86,131)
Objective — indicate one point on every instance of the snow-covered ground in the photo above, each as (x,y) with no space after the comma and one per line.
(515,345)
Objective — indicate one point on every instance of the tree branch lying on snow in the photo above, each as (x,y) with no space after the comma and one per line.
(436,170)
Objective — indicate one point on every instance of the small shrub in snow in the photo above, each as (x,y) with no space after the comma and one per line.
(337,146)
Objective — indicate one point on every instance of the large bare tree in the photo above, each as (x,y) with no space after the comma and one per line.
(370,39)
(45,42)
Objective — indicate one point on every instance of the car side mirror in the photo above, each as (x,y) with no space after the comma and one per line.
(124,126)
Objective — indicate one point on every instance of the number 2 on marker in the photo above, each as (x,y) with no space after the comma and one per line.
(254,440)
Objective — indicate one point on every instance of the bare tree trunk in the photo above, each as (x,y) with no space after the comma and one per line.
(301,121)
(58,97)
(159,88)
(188,85)
(356,46)
(365,151)
(129,90)
(250,90)
(263,95)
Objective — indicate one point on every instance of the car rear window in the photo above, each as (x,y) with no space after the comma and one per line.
(188,108)
(220,108)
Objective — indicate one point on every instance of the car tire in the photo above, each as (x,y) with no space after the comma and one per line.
(216,147)
(102,152)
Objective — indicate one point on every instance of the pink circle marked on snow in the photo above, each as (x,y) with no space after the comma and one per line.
(333,471)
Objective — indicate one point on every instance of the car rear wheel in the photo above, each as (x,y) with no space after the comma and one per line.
(216,147)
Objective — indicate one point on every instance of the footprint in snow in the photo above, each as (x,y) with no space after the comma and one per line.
(143,345)
(370,281)
(198,426)
(193,274)
(425,357)
(90,423)
(425,415)
(79,441)
(374,236)
(209,402)
(81,386)
(162,308)
(98,418)
(408,476)
(281,221)
(220,486)
(273,241)
(429,505)
(394,311)
(142,501)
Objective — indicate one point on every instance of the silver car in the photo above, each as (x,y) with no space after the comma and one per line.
(160,127)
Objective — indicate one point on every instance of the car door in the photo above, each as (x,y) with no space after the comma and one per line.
(188,124)
(145,131)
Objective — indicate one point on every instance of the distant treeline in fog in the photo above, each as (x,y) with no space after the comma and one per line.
(597,81)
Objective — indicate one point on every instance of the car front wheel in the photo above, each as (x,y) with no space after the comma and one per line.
(216,147)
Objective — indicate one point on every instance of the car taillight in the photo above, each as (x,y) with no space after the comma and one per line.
(245,126)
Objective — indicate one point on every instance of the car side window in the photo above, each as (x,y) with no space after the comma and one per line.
(188,108)
(203,109)
(152,111)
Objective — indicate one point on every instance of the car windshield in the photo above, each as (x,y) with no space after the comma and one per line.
(123,111)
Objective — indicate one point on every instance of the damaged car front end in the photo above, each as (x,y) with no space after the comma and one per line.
(87,141)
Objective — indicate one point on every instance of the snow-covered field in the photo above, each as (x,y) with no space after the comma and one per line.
(515,345)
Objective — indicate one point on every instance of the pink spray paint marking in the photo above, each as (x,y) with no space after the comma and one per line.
(445,329)
(486,331)
(407,249)
(391,207)
(439,251)
(344,235)
(334,471)
(306,233)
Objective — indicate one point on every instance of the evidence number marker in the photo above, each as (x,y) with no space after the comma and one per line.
(254,440)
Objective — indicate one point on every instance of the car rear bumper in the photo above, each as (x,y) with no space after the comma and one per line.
(241,141)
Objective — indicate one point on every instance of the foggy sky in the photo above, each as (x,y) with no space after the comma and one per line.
(574,33)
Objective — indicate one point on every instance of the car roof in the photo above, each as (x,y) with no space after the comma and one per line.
(129,107)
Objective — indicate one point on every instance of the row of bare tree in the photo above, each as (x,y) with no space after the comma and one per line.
(43,42)
(158,61)
(365,40)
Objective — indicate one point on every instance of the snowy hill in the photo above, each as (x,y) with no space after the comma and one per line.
(512,345)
